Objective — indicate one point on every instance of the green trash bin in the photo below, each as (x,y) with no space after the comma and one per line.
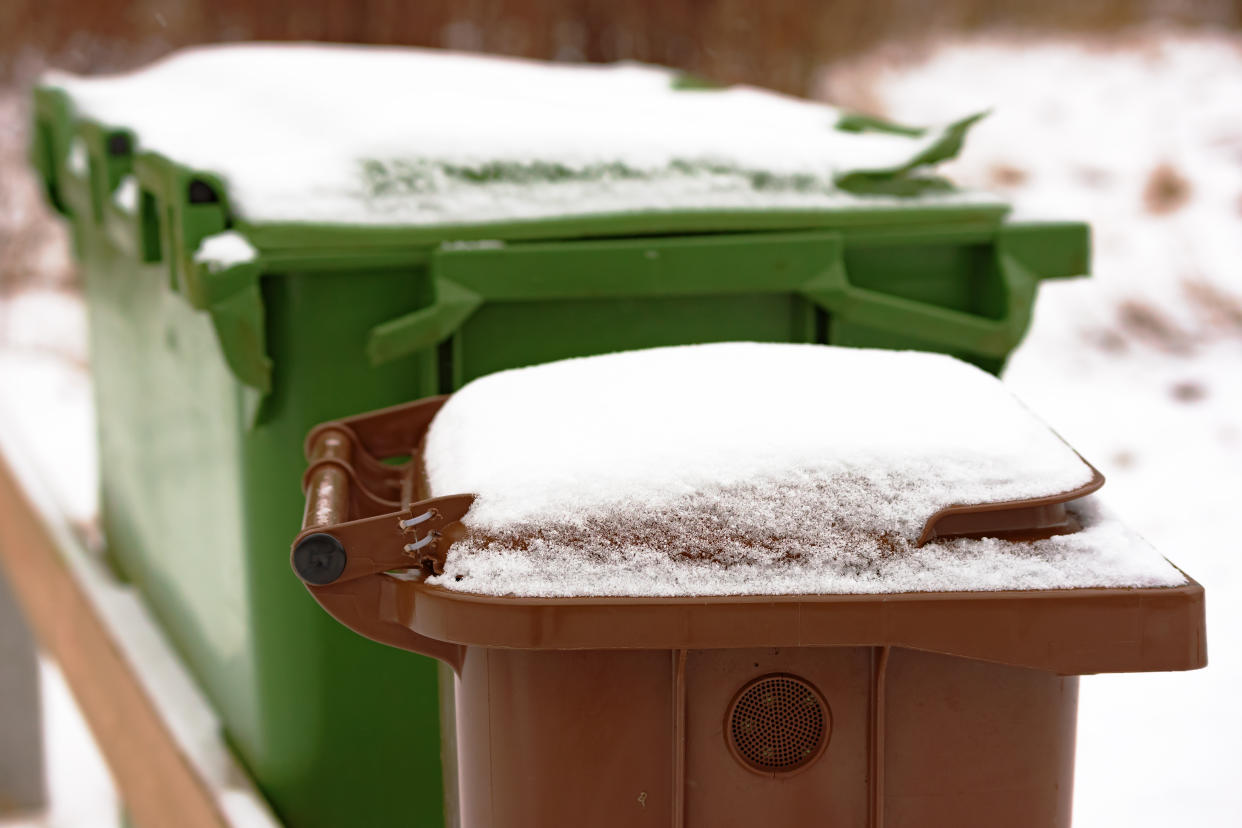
(221,333)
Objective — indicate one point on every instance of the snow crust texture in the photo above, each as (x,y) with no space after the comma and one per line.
(746,468)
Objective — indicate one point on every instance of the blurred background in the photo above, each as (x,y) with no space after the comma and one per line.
(1123,113)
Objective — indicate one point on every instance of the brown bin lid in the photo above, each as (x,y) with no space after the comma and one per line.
(1069,631)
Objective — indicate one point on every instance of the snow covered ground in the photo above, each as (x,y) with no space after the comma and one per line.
(1140,368)
(42,366)
(79,787)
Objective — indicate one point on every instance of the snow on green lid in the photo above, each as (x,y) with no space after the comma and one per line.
(369,135)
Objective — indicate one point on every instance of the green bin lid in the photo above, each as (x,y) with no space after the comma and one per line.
(371,136)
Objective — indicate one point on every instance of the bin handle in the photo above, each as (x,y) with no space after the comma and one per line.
(365,520)
(947,327)
(831,289)
(426,327)
(1032,518)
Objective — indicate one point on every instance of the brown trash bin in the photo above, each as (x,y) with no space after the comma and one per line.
(885,711)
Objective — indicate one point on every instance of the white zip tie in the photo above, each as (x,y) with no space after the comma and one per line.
(417,519)
(426,541)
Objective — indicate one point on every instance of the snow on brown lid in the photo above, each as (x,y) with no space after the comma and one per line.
(730,468)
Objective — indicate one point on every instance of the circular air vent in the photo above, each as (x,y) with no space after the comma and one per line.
(777,724)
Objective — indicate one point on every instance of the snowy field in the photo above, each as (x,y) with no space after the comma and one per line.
(1140,368)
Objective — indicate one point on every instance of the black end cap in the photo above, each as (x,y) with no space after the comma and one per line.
(200,192)
(319,559)
(119,144)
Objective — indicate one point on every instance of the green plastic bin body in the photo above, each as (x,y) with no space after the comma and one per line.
(208,381)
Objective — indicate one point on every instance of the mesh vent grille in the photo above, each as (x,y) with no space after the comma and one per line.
(777,724)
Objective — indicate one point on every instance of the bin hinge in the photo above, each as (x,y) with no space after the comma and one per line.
(366,519)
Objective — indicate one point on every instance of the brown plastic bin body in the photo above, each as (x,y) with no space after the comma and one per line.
(555,730)
(909,710)
(628,738)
